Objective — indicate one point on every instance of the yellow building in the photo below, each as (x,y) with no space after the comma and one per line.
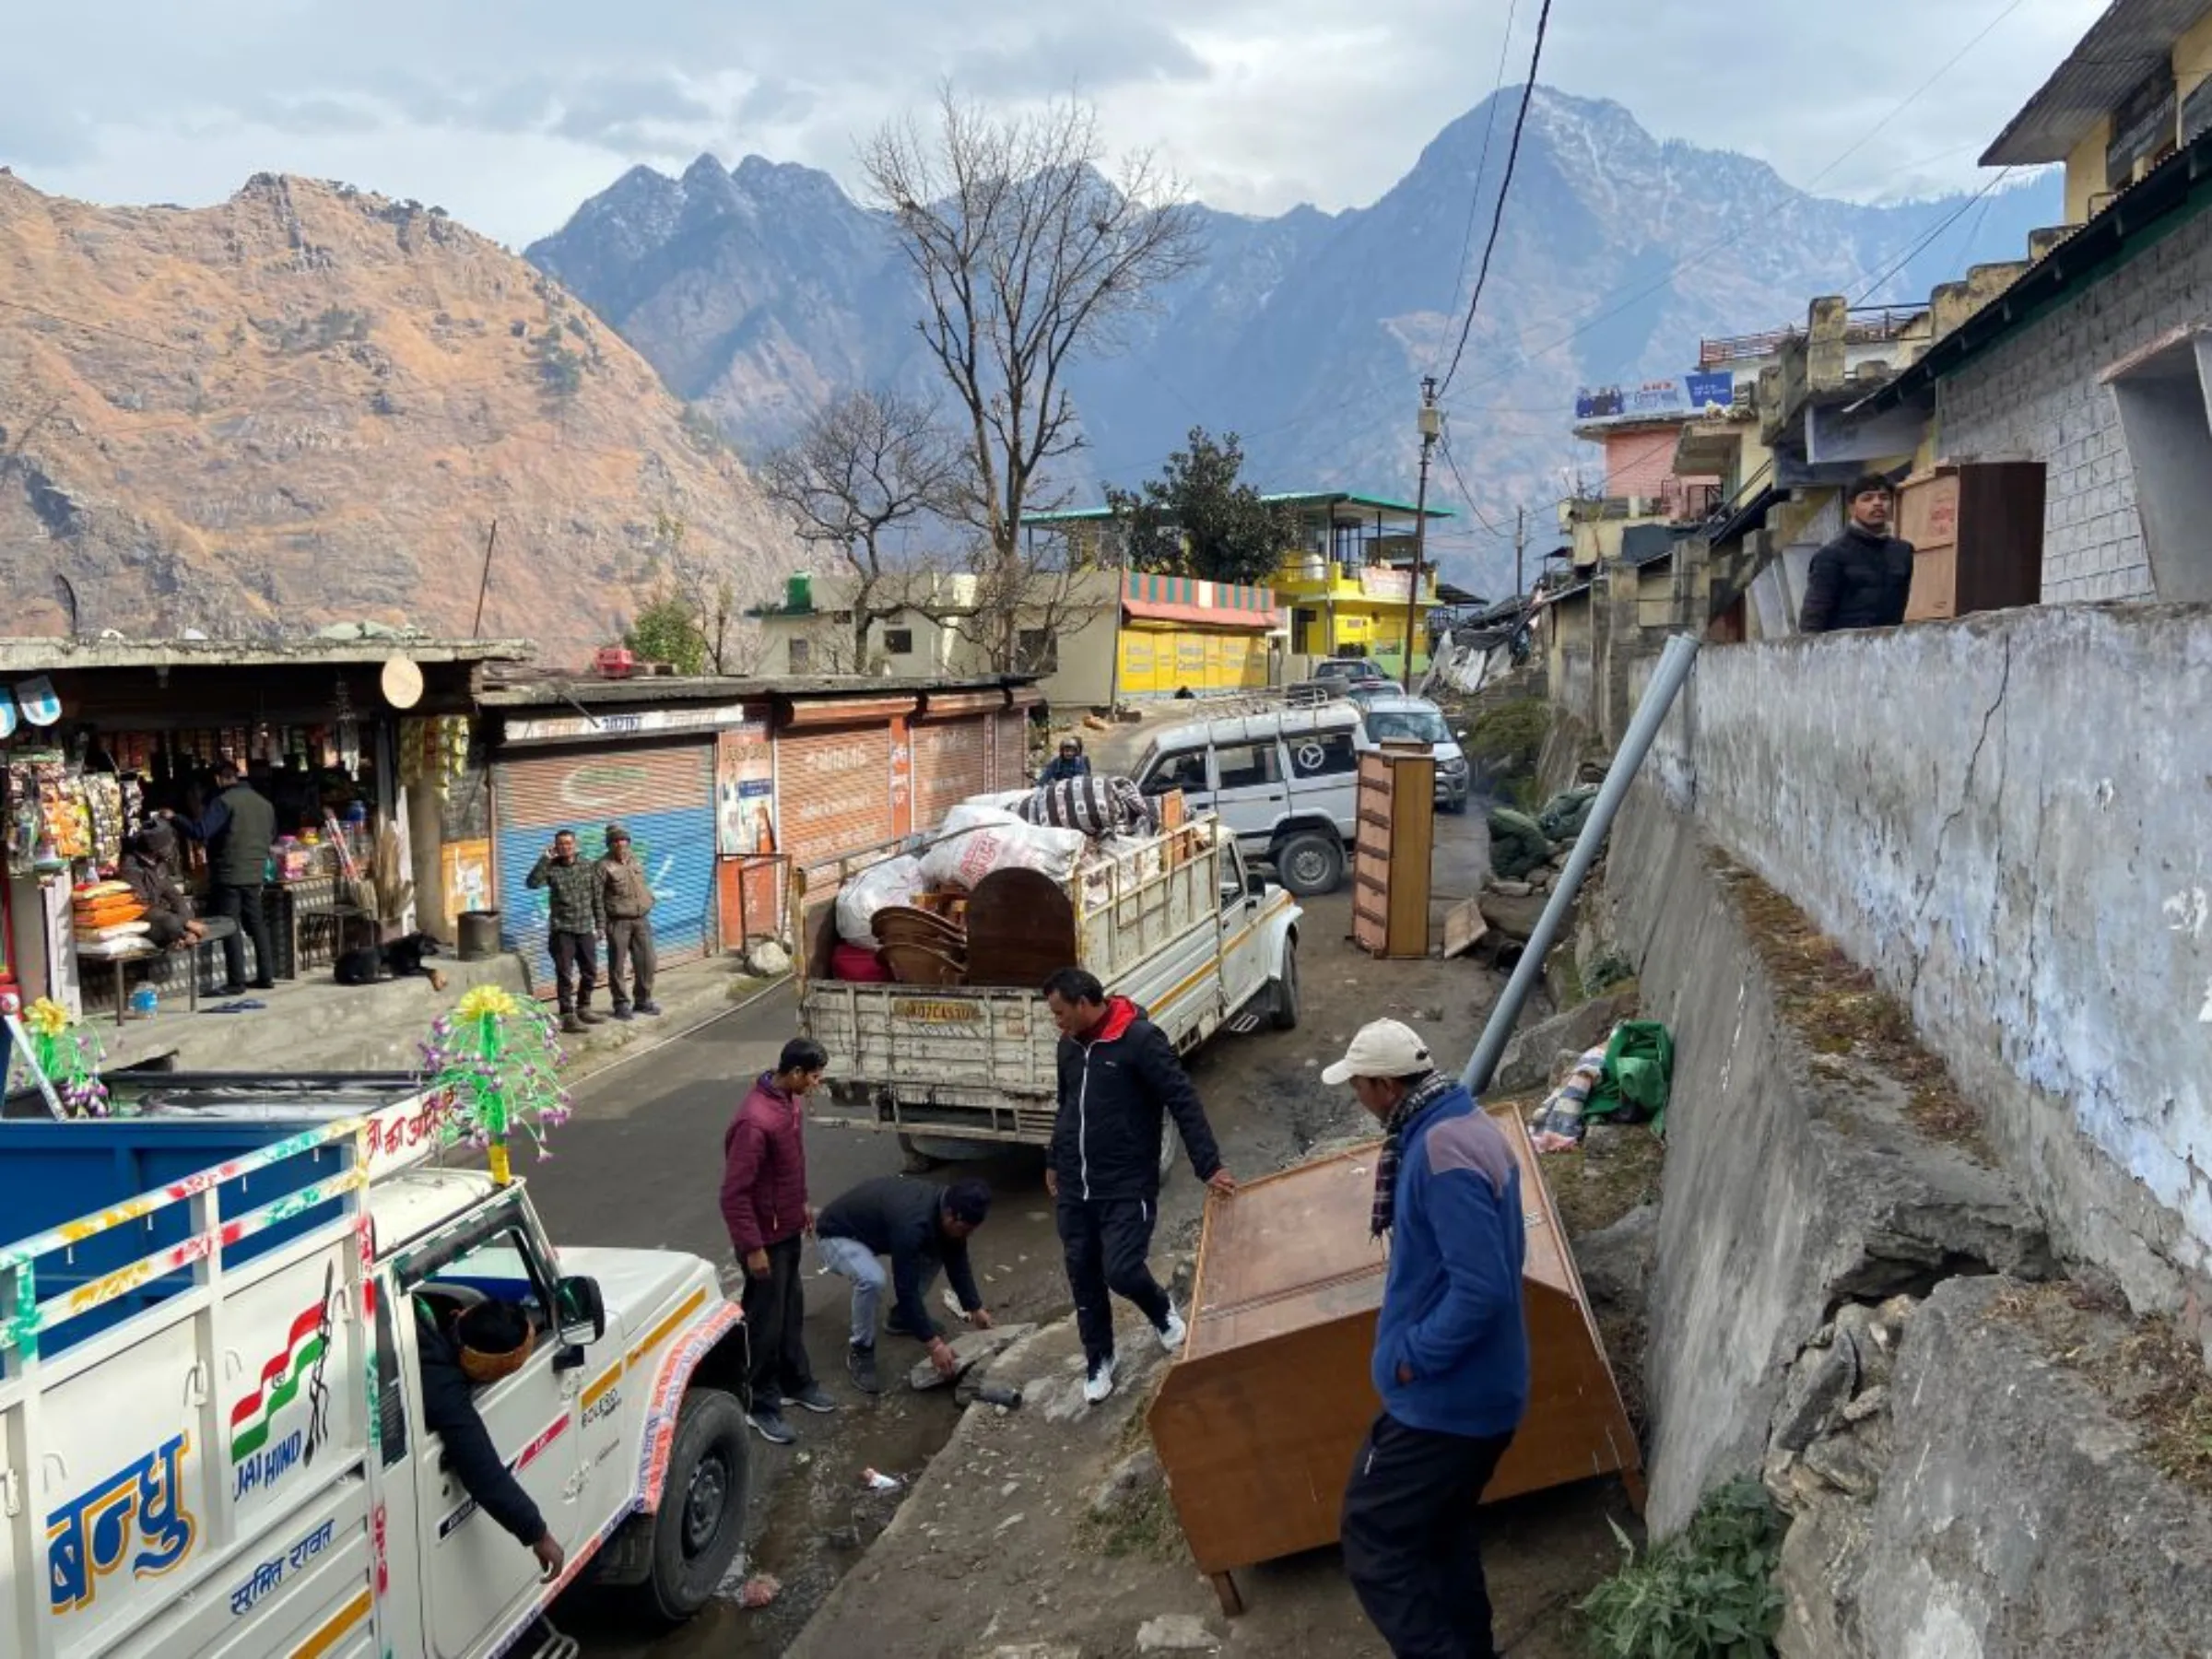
(1347,582)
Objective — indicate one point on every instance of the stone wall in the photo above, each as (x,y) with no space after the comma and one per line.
(2038,396)
(2004,818)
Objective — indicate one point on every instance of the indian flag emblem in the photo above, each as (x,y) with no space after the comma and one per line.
(282,1379)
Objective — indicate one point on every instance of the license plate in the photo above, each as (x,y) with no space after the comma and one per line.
(935,1012)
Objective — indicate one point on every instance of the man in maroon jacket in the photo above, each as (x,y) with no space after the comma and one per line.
(764,1203)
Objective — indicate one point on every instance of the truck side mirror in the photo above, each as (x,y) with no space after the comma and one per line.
(580,1312)
(1255,885)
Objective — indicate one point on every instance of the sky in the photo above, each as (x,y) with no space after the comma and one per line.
(509,114)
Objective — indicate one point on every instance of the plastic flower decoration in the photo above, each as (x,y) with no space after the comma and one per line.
(496,1060)
(67,1055)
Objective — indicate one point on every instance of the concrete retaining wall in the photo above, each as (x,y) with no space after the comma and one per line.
(2007,819)
(1785,1191)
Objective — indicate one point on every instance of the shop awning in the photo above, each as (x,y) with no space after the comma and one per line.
(1199,615)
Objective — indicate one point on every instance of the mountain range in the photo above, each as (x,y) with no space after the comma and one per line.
(758,290)
(309,404)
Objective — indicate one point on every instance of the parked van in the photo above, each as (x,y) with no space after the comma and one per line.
(1284,778)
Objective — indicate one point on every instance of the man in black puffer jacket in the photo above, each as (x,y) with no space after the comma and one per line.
(1119,1079)
(1864,577)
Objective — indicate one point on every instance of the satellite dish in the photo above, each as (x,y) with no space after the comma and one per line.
(402,682)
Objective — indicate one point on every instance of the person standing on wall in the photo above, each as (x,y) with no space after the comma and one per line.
(237,827)
(1864,577)
(1119,1080)
(1450,1358)
(576,918)
(626,899)
(764,1205)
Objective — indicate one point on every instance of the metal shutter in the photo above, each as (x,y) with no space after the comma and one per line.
(950,764)
(833,792)
(663,793)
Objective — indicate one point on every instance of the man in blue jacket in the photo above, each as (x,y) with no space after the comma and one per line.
(1450,1351)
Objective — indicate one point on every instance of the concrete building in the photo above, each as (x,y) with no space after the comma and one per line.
(2092,363)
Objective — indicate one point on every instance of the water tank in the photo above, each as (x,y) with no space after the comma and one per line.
(799,592)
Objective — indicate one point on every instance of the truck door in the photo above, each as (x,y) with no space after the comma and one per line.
(1250,795)
(1244,965)
(478,1580)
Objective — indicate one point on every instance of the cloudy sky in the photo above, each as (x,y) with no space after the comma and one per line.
(509,115)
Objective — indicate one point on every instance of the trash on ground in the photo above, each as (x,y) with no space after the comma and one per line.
(877,1480)
(759,1590)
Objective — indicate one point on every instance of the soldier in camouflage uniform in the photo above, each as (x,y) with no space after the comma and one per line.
(577,919)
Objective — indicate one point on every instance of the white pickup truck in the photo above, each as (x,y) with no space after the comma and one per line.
(211,1437)
(1178,924)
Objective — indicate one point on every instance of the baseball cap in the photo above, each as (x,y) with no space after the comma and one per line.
(615,832)
(1386,1048)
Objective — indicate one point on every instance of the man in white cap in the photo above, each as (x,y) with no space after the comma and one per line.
(1450,1351)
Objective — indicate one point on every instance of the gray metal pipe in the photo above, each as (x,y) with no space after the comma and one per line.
(1667,679)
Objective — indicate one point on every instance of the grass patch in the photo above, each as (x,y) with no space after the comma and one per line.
(2153,1375)
(1593,1192)
(1708,1594)
(1838,1011)
(1142,1526)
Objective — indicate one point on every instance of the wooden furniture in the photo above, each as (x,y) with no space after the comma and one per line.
(1390,860)
(1977,533)
(1258,1421)
(1021,929)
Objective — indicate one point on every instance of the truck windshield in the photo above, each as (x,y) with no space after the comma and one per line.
(1406,725)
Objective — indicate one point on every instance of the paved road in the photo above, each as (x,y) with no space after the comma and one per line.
(640,1165)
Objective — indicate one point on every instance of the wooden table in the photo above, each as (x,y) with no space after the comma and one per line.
(1260,1417)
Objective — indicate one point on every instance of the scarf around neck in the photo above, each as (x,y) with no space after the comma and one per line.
(1418,1099)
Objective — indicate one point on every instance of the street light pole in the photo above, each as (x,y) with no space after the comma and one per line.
(1431,424)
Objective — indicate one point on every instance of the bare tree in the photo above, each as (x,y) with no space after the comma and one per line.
(1029,258)
(869,464)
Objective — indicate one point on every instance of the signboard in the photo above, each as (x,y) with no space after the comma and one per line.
(1381,581)
(614,722)
(466,868)
(1656,399)
(745,792)
(2143,127)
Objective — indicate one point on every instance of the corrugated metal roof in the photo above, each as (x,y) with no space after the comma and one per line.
(676,689)
(2122,46)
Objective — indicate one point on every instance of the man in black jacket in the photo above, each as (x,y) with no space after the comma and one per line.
(1862,578)
(475,1348)
(237,829)
(1118,1076)
(922,1227)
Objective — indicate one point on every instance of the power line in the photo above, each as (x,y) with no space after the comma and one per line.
(1505,185)
(1914,252)
(1756,220)
(1482,164)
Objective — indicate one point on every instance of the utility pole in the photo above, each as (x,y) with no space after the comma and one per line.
(1520,542)
(1432,424)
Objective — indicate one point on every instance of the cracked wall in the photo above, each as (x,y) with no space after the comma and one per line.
(2009,820)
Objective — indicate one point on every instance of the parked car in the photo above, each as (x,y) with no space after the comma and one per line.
(1417,719)
(1343,671)
(1285,781)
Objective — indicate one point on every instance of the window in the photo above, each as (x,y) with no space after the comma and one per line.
(1323,755)
(1036,651)
(1406,725)
(391,1403)
(1180,769)
(899,641)
(802,656)
(1247,765)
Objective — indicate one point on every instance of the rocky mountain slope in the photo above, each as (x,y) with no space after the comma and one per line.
(755,290)
(309,404)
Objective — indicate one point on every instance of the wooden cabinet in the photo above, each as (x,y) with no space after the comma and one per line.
(1390,862)
(1977,533)
(1258,1421)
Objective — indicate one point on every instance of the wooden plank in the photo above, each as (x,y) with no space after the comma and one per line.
(1464,927)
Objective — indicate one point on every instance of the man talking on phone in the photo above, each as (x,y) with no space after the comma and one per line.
(573,924)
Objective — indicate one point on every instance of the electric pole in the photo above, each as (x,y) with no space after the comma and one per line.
(1431,424)
(1520,541)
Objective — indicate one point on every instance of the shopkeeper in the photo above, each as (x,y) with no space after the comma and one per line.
(237,827)
(153,882)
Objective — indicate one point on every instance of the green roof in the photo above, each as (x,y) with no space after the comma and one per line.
(1295,498)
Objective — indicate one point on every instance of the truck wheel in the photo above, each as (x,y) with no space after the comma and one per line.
(1284,1016)
(912,1160)
(1311,864)
(701,1520)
